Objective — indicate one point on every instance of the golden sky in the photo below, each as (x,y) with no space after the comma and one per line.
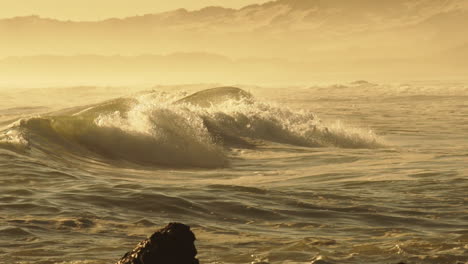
(101,9)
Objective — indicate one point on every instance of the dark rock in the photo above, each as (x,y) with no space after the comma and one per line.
(173,244)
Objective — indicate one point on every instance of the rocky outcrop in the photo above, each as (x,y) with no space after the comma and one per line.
(173,244)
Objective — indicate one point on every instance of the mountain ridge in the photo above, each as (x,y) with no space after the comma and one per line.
(312,32)
(294,5)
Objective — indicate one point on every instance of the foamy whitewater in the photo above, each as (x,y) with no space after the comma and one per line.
(351,173)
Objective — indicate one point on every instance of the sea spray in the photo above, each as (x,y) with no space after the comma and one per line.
(164,130)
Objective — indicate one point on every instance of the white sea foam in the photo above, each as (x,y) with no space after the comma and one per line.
(159,129)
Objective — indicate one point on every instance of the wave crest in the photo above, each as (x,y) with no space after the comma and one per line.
(161,129)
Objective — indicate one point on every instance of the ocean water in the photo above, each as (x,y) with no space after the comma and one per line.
(349,173)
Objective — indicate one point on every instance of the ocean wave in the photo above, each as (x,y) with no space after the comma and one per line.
(169,130)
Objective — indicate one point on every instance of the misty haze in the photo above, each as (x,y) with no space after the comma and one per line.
(287,131)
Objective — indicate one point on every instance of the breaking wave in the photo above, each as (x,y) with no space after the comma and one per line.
(172,130)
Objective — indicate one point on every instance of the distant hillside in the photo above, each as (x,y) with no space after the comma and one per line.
(276,42)
(283,28)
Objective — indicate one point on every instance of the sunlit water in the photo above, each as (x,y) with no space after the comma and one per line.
(354,173)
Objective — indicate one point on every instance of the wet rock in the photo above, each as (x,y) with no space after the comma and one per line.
(173,244)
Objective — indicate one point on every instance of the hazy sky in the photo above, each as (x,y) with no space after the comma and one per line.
(100,9)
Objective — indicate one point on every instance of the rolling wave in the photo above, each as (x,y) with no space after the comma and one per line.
(193,131)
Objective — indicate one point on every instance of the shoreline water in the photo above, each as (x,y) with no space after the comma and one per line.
(278,201)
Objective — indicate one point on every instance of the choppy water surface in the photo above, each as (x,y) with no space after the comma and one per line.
(354,173)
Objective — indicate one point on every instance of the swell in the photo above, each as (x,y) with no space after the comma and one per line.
(165,129)
(85,137)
